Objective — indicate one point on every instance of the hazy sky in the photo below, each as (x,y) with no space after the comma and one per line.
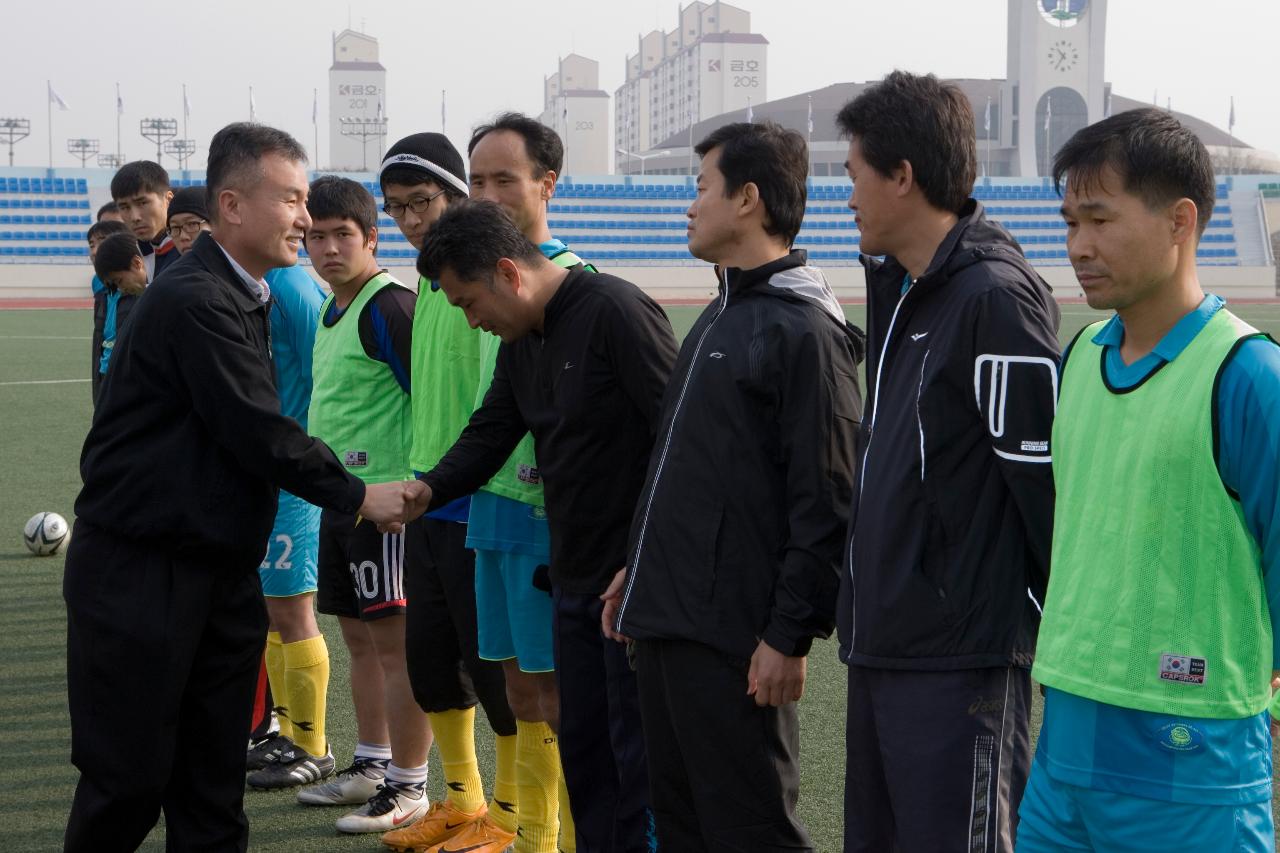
(492,55)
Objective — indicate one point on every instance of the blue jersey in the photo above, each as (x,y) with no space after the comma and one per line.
(1211,762)
(295,313)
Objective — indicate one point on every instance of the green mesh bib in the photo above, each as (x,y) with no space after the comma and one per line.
(1155,599)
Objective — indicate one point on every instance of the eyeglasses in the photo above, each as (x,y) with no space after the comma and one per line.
(191,228)
(396,210)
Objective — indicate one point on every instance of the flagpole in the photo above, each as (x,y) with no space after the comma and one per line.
(986,169)
(315,124)
(184,111)
(808,140)
(119,110)
(48,96)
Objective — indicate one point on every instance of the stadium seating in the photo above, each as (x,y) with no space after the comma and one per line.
(620,220)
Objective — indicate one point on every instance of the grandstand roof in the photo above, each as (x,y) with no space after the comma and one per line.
(793,112)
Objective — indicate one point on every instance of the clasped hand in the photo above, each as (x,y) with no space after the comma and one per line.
(393,505)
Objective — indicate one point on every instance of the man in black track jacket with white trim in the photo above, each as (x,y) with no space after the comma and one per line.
(736,542)
(949,544)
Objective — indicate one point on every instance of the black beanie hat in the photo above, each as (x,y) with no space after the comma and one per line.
(433,155)
(189,200)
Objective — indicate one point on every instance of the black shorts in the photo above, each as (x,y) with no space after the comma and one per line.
(361,571)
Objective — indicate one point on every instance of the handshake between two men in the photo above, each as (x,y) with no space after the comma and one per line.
(393,505)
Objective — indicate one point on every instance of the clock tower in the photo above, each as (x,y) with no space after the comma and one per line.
(1055,80)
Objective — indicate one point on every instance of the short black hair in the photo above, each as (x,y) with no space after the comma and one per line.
(102,230)
(140,176)
(115,254)
(924,121)
(1155,155)
(541,143)
(109,207)
(773,158)
(335,197)
(469,238)
(235,155)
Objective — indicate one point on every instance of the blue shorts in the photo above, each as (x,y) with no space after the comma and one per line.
(290,564)
(513,617)
(1055,816)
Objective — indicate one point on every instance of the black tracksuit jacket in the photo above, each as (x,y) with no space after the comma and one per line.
(188,446)
(741,524)
(589,388)
(952,522)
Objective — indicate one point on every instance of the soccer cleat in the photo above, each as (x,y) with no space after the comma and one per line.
(293,766)
(266,750)
(440,824)
(392,806)
(351,786)
(480,836)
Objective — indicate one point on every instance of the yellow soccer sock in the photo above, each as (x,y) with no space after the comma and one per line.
(306,675)
(506,789)
(456,740)
(275,677)
(568,830)
(537,769)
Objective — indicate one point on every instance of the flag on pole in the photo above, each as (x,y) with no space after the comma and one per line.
(811,113)
(1231,119)
(986,116)
(55,98)
(315,105)
(253,108)
(751,116)
(186,103)
(119,101)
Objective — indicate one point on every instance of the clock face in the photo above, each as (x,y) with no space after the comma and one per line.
(1063,55)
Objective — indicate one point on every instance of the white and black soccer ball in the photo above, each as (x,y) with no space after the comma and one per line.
(46,533)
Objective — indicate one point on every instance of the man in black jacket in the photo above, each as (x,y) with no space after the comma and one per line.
(165,616)
(948,553)
(583,364)
(735,546)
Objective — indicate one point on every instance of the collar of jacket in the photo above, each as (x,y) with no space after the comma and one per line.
(739,280)
(208,253)
(973,238)
(559,301)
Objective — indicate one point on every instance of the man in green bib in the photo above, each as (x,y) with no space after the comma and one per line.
(360,407)
(1156,648)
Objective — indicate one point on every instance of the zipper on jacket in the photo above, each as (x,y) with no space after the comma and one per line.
(866,452)
(666,446)
(919,417)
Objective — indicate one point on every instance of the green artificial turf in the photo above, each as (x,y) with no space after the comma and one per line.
(42,426)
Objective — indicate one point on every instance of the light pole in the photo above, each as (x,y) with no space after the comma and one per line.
(110,161)
(157,130)
(642,157)
(82,149)
(366,129)
(14,130)
(182,149)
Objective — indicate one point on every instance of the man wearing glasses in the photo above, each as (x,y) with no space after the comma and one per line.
(187,217)
(421,176)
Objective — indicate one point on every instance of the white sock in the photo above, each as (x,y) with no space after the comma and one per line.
(412,780)
(377,754)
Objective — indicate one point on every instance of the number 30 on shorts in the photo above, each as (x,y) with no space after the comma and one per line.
(283,561)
